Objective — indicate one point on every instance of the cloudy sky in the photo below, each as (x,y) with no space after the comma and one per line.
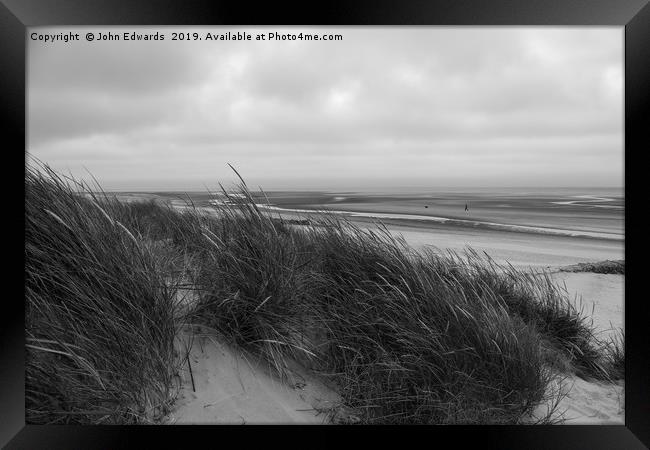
(384,107)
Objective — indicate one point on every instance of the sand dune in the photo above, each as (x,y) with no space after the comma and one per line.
(234,388)
(231,388)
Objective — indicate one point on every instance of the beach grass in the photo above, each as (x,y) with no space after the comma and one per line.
(535,297)
(615,355)
(606,267)
(405,336)
(99,314)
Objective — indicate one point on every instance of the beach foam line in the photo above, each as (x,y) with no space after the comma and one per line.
(590,199)
(459,222)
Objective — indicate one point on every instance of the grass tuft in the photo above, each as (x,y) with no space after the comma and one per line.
(100,316)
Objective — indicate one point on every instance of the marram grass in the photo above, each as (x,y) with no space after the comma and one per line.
(99,316)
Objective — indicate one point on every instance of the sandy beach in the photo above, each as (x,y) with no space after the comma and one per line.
(519,249)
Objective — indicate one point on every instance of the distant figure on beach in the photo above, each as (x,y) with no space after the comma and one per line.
(466,207)
(426,206)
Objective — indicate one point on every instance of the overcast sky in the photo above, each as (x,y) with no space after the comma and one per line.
(384,107)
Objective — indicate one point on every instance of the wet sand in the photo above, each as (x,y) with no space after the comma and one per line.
(519,249)
(593,209)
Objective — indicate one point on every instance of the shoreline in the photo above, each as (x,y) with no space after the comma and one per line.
(519,249)
(427,221)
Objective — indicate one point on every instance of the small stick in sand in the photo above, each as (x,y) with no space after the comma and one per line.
(191,376)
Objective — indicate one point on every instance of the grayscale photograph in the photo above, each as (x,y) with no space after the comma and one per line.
(325,225)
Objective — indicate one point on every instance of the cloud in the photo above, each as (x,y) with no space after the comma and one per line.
(481,104)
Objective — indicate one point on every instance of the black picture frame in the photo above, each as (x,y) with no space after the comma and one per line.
(633,15)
